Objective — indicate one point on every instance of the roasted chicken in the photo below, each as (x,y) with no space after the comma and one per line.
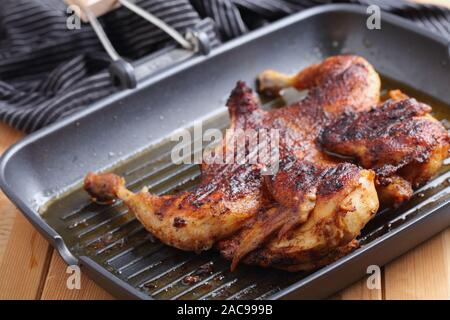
(310,210)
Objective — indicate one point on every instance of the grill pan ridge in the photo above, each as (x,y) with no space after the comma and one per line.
(116,251)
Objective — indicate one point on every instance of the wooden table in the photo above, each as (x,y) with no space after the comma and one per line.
(31,269)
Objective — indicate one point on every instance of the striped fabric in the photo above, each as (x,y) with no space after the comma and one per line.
(48,72)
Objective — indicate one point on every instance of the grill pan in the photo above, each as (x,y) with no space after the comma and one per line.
(128,132)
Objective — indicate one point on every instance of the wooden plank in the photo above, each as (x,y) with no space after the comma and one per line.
(55,287)
(7,210)
(25,256)
(423,273)
(8,136)
(25,262)
(23,252)
(359,291)
(7,217)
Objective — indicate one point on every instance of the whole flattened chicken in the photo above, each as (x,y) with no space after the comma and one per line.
(310,211)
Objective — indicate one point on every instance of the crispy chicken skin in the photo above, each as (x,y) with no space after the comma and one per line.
(228,196)
(341,81)
(191,221)
(331,229)
(310,211)
(310,185)
(399,140)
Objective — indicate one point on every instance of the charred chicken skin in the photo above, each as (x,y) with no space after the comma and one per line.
(399,140)
(310,211)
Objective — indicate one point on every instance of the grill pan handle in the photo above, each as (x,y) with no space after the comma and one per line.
(127,75)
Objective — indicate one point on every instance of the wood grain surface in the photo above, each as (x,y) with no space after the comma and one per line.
(7,210)
(31,269)
(55,286)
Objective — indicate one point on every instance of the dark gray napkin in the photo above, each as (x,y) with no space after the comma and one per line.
(48,72)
